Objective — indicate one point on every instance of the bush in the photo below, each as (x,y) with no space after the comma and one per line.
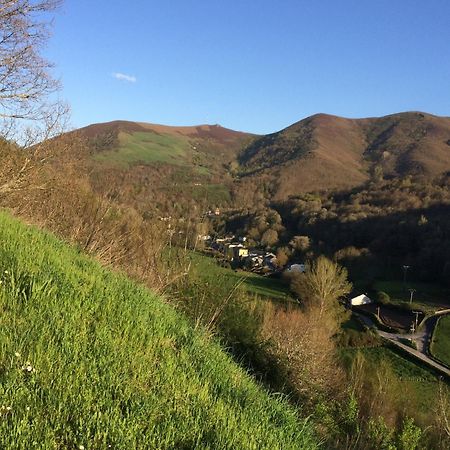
(383,298)
(354,338)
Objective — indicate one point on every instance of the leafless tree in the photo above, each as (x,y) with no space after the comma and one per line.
(30,111)
(27,88)
(302,342)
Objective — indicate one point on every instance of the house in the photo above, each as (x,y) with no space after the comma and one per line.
(221,244)
(254,259)
(243,252)
(270,261)
(296,268)
(360,300)
(236,251)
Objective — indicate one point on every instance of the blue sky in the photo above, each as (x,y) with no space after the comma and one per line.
(251,65)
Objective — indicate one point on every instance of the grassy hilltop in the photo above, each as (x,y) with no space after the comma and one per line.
(90,359)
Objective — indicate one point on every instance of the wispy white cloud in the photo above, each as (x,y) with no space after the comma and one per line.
(124,77)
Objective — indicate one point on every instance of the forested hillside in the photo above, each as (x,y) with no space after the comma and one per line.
(378,227)
(329,152)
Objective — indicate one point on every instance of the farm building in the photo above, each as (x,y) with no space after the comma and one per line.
(360,300)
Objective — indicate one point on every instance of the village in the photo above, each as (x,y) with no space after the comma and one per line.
(400,324)
(233,250)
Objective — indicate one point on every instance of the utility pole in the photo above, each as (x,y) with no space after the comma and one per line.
(417,317)
(411,291)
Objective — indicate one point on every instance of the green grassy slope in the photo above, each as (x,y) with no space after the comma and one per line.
(440,346)
(416,387)
(89,358)
(253,283)
(154,166)
(203,148)
(145,147)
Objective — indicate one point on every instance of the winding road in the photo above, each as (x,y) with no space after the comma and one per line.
(421,338)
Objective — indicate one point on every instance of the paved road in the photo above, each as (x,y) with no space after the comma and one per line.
(421,338)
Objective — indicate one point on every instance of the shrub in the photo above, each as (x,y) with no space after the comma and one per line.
(383,298)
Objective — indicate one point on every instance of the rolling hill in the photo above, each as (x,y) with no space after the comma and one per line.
(329,152)
(162,167)
(203,147)
(155,166)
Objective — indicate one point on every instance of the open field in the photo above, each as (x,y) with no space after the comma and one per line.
(427,296)
(212,193)
(392,317)
(440,345)
(89,359)
(143,147)
(416,387)
(256,284)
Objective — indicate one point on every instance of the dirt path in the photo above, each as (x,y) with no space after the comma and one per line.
(421,338)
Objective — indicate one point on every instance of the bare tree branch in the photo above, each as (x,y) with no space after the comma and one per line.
(26,83)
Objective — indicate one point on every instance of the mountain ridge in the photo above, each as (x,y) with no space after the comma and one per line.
(224,167)
(186,130)
(331,152)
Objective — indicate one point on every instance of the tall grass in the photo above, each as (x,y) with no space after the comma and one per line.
(90,359)
(440,345)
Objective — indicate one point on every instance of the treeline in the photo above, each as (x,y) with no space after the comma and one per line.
(379,226)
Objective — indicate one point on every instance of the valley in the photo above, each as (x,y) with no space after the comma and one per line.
(162,204)
(278,283)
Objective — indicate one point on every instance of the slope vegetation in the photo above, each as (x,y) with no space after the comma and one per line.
(329,152)
(90,359)
(129,143)
(157,167)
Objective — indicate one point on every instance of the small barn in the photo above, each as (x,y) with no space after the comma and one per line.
(360,300)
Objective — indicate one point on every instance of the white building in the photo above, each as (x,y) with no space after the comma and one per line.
(360,300)
(296,268)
